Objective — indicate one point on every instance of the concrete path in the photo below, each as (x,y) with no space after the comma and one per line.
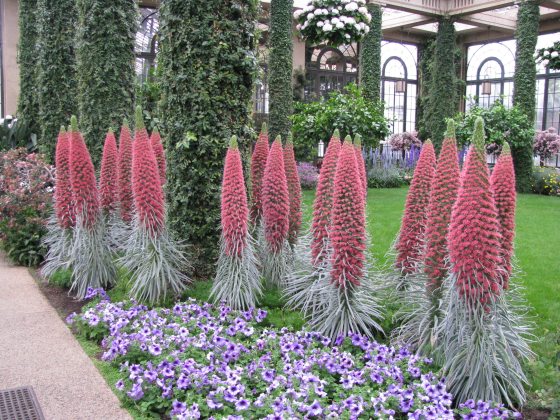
(37,349)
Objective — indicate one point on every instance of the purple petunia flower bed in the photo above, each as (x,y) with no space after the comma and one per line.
(198,360)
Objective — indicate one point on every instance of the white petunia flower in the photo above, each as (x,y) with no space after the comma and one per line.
(350,7)
(347,36)
(362,10)
(545,63)
(310,16)
(545,53)
(335,20)
(320,24)
(328,27)
(340,25)
(554,54)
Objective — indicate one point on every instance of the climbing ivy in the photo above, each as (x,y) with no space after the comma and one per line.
(425,76)
(57,69)
(280,68)
(28,104)
(370,56)
(105,38)
(443,99)
(208,65)
(524,85)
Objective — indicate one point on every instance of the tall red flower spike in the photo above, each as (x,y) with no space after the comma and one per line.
(361,163)
(294,190)
(474,234)
(124,174)
(258,165)
(64,207)
(503,186)
(442,197)
(275,199)
(157,146)
(234,202)
(348,232)
(82,175)
(410,241)
(322,205)
(108,180)
(148,196)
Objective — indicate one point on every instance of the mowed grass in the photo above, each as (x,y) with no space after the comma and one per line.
(537,247)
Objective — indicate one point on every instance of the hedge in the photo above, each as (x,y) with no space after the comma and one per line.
(207,68)
(105,38)
(280,68)
(57,69)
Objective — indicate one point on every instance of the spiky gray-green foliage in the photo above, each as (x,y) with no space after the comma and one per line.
(370,56)
(56,60)
(105,37)
(524,85)
(58,242)
(207,64)
(443,100)
(28,103)
(280,68)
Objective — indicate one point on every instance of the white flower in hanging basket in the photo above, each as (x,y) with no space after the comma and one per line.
(333,22)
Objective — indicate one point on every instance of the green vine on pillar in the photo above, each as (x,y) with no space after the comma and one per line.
(370,56)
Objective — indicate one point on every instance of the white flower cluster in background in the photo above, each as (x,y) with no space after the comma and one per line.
(334,22)
(549,57)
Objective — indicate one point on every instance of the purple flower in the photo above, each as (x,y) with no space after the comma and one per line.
(154,349)
(242,405)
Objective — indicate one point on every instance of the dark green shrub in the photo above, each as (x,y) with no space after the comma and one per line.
(16,133)
(56,61)
(546,181)
(105,37)
(62,278)
(208,65)
(22,235)
(349,112)
(385,177)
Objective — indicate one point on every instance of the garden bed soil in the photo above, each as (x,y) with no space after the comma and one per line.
(57,296)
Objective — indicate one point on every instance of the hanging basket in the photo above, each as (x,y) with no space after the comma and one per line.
(333,22)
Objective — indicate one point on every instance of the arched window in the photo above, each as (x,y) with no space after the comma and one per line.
(329,69)
(399,85)
(146,42)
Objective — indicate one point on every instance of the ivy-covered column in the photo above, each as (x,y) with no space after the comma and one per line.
(370,56)
(57,86)
(442,102)
(524,86)
(207,66)
(105,38)
(28,104)
(280,68)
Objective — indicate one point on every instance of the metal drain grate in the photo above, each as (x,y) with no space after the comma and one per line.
(19,404)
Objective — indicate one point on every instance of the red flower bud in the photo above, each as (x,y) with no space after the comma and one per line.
(108,179)
(124,174)
(294,190)
(157,146)
(258,165)
(64,207)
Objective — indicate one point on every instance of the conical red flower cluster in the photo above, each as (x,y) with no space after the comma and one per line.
(322,205)
(409,245)
(64,207)
(146,184)
(124,174)
(294,190)
(82,175)
(258,165)
(442,197)
(108,187)
(503,186)
(347,233)
(157,147)
(234,202)
(474,234)
(275,199)
(361,163)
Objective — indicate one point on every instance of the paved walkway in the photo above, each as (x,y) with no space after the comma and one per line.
(37,349)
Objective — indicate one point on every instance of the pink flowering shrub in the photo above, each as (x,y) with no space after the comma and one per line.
(26,189)
(404,141)
(546,143)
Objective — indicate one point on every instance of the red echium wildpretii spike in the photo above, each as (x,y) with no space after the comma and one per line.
(474,238)
(82,176)
(275,199)
(361,163)
(146,184)
(258,165)
(235,211)
(347,233)
(294,190)
(64,207)
(124,174)
(108,188)
(442,197)
(157,146)
(503,186)
(410,241)
(322,205)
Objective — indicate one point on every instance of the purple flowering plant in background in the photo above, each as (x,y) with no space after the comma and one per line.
(546,144)
(308,175)
(404,141)
(197,360)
